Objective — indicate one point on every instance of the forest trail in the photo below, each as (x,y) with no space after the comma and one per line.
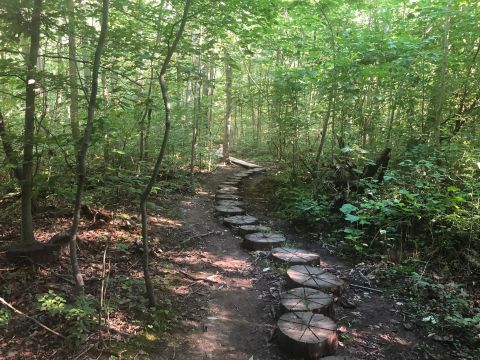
(230,318)
(230,315)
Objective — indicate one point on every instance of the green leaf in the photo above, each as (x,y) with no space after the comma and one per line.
(348,208)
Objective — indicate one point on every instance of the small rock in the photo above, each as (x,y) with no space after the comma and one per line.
(408,326)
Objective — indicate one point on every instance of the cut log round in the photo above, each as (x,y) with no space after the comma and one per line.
(230,203)
(229,183)
(250,229)
(295,256)
(307,335)
(240,220)
(229,210)
(228,188)
(315,278)
(225,190)
(263,240)
(307,299)
(227,196)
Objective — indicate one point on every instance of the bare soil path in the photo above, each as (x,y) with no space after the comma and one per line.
(230,297)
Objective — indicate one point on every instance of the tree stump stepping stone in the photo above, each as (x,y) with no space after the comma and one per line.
(229,210)
(307,299)
(250,229)
(239,220)
(228,190)
(263,240)
(314,277)
(341,357)
(227,196)
(227,187)
(230,203)
(295,256)
(229,183)
(307,335)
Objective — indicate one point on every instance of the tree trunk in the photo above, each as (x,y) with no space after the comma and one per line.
(228,107)
(27,173)
(158,163)
(72,74)
(82,154)
(439,98)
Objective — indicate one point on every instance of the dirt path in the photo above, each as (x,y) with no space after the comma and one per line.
(231,317)
(229,296)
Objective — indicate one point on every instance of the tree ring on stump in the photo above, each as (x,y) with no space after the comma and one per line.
(230,203)
(316,278)
(308,335)
(240,220)
(229,183)
(227,196)
(295,256)
(263,240)
(229,210)
(226,191)
(250,229)
(307,299)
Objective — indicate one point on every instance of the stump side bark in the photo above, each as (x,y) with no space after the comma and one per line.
(295,256)
(263,241)
(250,229)
(308,335)
(307,299)
(239,220)
(316,278)
(229,210)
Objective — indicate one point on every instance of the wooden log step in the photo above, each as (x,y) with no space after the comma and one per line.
(227,196)
(223,191)
(314,277)
(230,203)
(229,188)
(307,335)
(229,183)
(250,229)
(263,240)
(240,220)
(307,299)
(295,256)
(229,210)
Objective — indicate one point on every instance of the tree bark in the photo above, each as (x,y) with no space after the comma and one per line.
(82,154)
(158,163)
(72,74)
(27,170)
(228,107)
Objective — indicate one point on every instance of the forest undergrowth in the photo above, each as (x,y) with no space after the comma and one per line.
(415,226)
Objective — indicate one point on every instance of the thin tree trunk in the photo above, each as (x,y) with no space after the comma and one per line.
(72,73)
(82,154)
(27,170)
(440,97)
(158,163)
(228,107)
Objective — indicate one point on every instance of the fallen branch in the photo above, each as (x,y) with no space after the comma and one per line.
(193,278)
(365,288)
(10,306)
